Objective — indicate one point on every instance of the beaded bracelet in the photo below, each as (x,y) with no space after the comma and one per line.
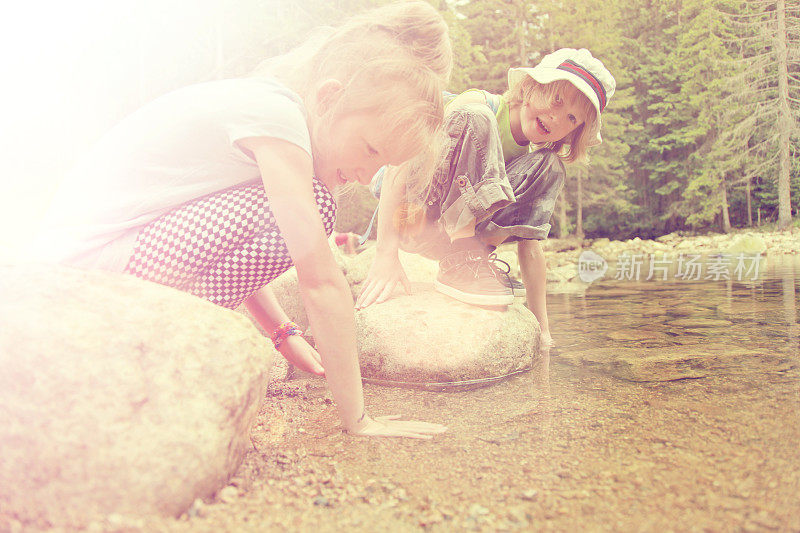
(286,329)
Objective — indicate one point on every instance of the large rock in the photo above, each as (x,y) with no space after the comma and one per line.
(118,395)
(430,339)
(427,339)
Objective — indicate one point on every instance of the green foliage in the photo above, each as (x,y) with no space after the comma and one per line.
(695,112)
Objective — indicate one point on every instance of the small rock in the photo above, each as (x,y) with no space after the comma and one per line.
(478,510)
(197,509)
(282,459)
(228,494)
(322,501)
(530,494)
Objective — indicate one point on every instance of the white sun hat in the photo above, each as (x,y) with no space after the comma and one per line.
(579,67)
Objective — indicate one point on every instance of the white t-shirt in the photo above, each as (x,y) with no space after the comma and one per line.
(179,147)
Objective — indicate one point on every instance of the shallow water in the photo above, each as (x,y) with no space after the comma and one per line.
(702,436)
(726,326)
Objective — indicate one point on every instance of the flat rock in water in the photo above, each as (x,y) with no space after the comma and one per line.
(637,334)
(612,293)
(700,323)
(119,396)
(426,338)
(657,364)
(688,310)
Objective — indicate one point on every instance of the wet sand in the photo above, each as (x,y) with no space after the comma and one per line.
(577,450)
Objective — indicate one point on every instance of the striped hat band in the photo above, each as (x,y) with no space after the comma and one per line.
(588,77)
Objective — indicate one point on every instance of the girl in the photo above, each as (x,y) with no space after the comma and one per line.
(218,188)
(498,182)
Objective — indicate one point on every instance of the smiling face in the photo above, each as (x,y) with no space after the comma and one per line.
(541,120)
(351,149)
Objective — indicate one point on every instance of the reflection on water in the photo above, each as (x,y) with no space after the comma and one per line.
(752,323)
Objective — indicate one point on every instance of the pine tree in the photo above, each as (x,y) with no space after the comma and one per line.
(499,29)
(759,140)
(704,58)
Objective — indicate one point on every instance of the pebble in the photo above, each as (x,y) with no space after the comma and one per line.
(197,509)
(282,459)
(228,494)
(477,509)
(530,494)
(322,501)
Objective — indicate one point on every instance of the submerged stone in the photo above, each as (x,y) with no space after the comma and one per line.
(700,323)
(686,309)
(658,364)
(637,334)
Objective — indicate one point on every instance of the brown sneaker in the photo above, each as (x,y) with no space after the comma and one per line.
(503,272)
(467,276)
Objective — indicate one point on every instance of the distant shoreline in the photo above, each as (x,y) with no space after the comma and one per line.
(731,254)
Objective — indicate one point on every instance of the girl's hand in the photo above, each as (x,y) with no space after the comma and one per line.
(299,352)
(384,275)
(390,426)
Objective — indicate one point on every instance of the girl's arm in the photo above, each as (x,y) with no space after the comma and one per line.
(386,271)
(533,266)
(267,311)
(286,172)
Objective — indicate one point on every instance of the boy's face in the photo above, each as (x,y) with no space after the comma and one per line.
(542,123)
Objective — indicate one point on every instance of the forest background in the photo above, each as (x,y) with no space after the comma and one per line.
(702,134)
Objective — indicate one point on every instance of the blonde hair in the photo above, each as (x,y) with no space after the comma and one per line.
(394,60)
(574,146)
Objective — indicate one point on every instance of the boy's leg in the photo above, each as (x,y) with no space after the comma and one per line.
(533,266)
(537,180)
(468,187)
(471,182)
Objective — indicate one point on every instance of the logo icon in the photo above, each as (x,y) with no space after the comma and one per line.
(591,266)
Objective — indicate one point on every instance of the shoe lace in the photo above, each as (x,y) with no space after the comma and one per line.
(495,263)
(479,265)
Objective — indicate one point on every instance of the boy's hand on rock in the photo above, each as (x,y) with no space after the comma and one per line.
(384,275)
(301,354)
(390,426)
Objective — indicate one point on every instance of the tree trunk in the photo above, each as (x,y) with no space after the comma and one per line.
(579,213)
(520,23)
(562,214)
(726,219)
(784,120)
(749,205)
